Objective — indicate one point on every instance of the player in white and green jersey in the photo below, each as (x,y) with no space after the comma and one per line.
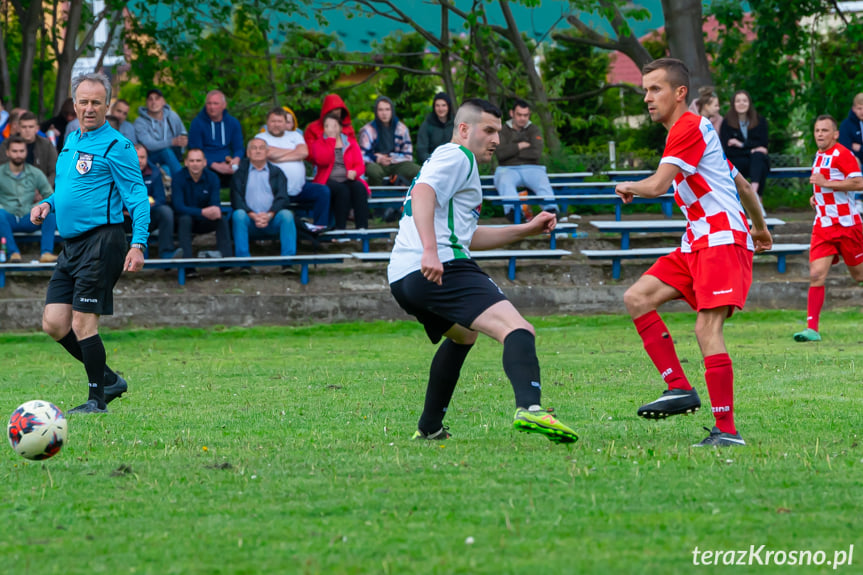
(433,277)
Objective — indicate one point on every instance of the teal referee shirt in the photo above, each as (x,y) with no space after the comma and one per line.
(97,173)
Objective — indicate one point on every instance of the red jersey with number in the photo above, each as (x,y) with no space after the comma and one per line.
(704,188)
(834,208)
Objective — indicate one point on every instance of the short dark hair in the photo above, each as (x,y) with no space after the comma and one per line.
(27,116)
(675,70)
(483,106)
(823,117)
(519,103)
(190,150)
(277,111)
(16,139)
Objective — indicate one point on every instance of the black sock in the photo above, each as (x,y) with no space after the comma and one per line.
(443,377)
(93,352)
(70,343)
(522,367)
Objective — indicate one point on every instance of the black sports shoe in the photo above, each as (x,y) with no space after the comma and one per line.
(672,402)
(721,439)
(90,407)
(116,389)
(439,435)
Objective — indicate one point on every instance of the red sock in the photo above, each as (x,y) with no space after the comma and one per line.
(719,375)
(660,347)
(815,302)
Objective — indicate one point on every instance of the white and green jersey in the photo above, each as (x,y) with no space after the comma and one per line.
(452,173)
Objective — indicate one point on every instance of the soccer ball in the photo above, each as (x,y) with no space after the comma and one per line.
(37,430)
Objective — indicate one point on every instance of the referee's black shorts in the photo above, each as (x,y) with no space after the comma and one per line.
(465,293)
(87,270)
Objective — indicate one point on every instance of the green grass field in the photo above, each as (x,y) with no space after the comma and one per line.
(286,450)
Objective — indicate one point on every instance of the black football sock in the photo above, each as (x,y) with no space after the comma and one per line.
(93,352)
(522,367)
(70,343)
(443,377)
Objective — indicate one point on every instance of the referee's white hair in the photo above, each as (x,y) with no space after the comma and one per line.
(96,78)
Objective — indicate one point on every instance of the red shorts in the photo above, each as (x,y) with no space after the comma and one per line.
(835,241)
(709,278)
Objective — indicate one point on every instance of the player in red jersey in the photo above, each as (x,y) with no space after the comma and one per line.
(837,229)
(712,270)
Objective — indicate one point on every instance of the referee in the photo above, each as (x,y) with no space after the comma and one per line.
(97,174)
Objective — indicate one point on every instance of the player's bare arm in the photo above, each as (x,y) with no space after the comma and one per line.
(848,185)
(489,238)
(650,187)
(761,237)
(423,206)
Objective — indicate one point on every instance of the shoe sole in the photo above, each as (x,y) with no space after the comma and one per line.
(554,435)
(662,414)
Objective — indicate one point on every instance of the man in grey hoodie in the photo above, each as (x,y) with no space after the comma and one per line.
(161,131)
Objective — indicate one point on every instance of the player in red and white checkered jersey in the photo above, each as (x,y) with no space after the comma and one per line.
(712,270)
(837,229)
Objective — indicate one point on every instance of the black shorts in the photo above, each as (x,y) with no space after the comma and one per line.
(87,270)
(467,291)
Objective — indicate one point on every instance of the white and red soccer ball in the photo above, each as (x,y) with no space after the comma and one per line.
(37,430)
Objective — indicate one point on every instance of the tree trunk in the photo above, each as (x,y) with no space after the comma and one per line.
(684,28)
(66,58)
(29,17)
(446,64)
(5,80)
(537,88)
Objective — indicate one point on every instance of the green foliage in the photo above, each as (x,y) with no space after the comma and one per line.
(286,450)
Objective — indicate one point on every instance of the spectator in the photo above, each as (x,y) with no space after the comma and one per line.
(851,128)
(744,139)
(386,146)
(339,164)
(21,187)
(838,229)
(707,105)
(40,152)
(518,156)
(436,129)
(161,214)
(259,198)
(161,131)
(287,149)
(219,134)
(195,196)
(55,128)
(11,128)
(120,109)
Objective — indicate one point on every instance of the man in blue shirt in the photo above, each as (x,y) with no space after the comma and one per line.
(97,174)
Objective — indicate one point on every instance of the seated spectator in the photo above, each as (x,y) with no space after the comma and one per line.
(161,214)
(259,198)
(707,105)
(120,109)
(386,146)
(287,149)
(161,131)
(518,156)
(41,153)
(744,139)
(11,128)
(21,187)
(197,207)
(851,128)
(220,135)
(339,163)
(55,128)
(436,129)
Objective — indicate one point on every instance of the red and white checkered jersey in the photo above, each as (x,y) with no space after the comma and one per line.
(834,208)
(704,189)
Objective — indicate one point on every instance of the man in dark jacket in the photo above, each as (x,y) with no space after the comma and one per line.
(436,129)
(195,195)
(220,135)
(259,197)
(161,214)
(518,157)
(851,128)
